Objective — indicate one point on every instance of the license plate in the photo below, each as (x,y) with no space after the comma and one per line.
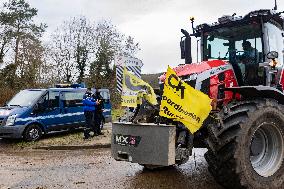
(127,140)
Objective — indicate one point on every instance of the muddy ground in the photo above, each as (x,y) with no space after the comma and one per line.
(37,169)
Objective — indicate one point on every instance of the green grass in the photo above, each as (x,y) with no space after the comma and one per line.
(62,138)
(22,144)
(59,139)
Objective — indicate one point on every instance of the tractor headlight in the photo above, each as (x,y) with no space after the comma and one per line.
(11,120)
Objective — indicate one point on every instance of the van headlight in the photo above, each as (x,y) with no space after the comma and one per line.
(11,120)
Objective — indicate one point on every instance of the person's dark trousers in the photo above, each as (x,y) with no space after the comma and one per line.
(100,121)
(97,123)
(89,115)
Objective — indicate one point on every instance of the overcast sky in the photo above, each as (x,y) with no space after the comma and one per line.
(155,24)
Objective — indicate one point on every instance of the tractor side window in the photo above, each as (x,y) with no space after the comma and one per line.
(216,48)
(72,99)
(249,50)
(249,55)
(275,41)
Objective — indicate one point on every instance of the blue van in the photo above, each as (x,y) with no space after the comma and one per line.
(33,112)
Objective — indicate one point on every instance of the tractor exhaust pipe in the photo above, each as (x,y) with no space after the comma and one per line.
(185,47)
(275,5)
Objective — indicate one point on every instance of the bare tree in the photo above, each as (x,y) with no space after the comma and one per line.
(5,40)
(61,54)
(109,41)
(130,47)
(73,47)
(30,62)
(84,44)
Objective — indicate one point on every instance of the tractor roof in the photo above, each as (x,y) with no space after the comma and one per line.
(266,15)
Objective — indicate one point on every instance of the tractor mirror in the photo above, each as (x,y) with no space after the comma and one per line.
(185,47)
(272,55)
(182,50)
(209,51)
(211,38)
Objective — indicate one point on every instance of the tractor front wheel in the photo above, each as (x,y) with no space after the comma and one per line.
(246,149)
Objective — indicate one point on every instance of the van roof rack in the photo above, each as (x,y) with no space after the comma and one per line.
(69,85)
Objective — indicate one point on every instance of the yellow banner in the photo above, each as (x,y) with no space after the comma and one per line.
(131,85)
(183,103)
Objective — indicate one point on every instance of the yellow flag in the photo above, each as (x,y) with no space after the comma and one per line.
(131,85)
(183,103)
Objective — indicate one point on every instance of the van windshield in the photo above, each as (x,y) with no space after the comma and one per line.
(25,98)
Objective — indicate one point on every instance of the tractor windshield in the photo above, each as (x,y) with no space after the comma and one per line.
(237,44)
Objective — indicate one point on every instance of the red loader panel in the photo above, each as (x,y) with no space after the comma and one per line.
(216,84)
(188,69)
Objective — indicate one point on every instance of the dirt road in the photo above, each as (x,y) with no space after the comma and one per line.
(96,169)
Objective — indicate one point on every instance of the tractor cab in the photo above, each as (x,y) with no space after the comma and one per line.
(245,42)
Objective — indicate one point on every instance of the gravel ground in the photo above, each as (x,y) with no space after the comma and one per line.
(96,169)
(24,167)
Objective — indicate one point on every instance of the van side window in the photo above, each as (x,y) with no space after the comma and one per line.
(105,96)
(72,99)
(53,99)
(43,102)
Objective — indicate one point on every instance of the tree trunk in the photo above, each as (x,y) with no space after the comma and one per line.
(17,44)
(2,53)
(17,50)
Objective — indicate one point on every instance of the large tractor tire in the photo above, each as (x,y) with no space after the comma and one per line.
(246,149)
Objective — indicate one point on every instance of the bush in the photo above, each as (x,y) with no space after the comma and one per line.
(6,94)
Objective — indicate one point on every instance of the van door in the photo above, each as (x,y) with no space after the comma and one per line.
(48,111)
(72,108)
(107,105)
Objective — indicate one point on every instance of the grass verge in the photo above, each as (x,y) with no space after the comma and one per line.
(74,138)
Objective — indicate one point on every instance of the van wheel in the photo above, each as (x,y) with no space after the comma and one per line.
(32,133)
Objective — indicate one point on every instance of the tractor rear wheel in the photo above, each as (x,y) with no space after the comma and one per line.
(246,150)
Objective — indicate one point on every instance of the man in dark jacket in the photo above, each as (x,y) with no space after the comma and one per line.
(89,110)
(98,116)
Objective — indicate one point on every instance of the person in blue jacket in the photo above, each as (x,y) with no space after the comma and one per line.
(89,110)
(98,115)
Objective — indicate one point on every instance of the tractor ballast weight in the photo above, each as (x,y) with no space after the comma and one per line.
(241,69)
(139,143)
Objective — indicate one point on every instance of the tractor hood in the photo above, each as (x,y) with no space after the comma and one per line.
(195,68)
